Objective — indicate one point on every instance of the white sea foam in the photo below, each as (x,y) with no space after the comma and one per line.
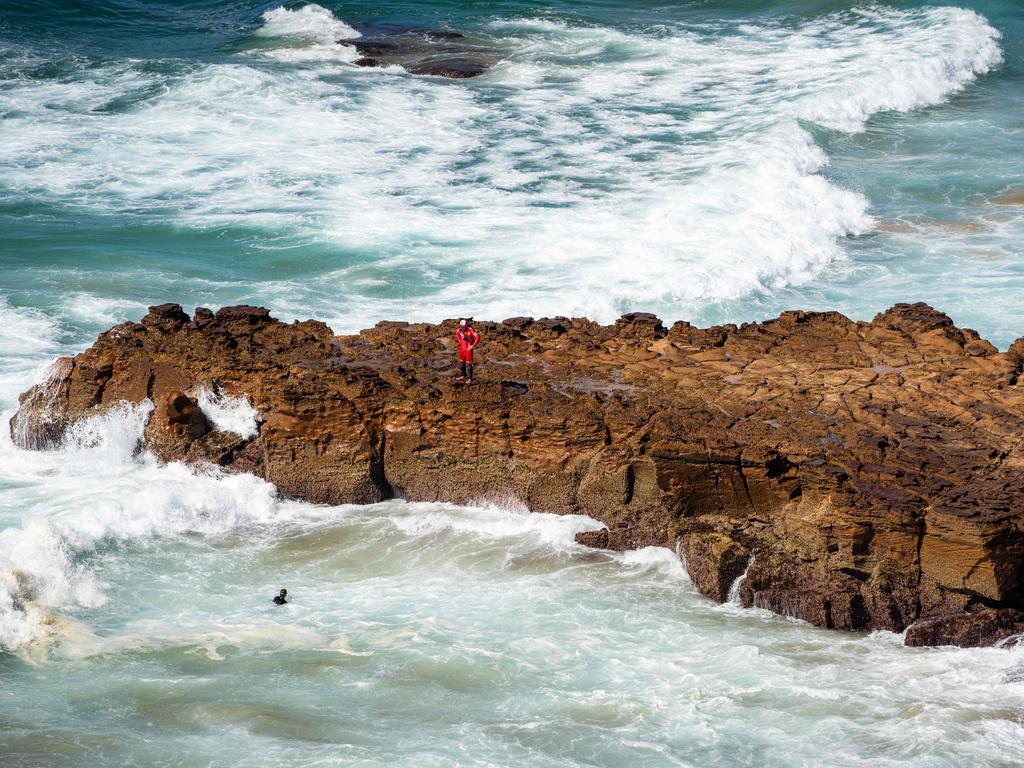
(616,169)
(101,310)
(229,413)
(25,331)
(313,34)
(492,522)
(310,22)
(655,560)
(95,490)
(27,338)
(931,62)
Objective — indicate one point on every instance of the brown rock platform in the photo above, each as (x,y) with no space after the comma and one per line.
(873,471)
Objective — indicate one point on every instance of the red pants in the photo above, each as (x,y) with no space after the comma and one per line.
(466,356)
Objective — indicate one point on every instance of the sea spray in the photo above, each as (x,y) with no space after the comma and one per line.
(229,413)
(25,331)
(734,597)
(310,33)
(310,22)
(39,422)
(655,561)
(917,75)
(493,521)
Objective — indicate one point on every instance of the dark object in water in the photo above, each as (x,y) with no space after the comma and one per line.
(444,66)
(444,34)
(280,598)
(369,61)
(437,52)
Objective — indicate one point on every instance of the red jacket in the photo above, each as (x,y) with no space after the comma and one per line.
(468,338)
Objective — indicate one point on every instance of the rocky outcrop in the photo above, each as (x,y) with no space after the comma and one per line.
(972,629)
(862,475)
(442,53)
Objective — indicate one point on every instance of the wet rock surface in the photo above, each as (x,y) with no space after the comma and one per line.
(442,53)
(981,627)
(858,475)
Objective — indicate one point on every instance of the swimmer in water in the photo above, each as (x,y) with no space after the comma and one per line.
(280,599)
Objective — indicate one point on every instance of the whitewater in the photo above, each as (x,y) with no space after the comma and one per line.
(714,164)
(670,167)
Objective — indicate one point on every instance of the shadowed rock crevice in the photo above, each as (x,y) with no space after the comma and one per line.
(873,471)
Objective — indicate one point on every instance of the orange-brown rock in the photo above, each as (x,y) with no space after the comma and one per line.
(869,474)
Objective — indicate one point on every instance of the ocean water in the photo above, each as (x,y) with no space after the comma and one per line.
(713,161)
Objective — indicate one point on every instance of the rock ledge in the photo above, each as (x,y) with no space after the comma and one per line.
(863,475)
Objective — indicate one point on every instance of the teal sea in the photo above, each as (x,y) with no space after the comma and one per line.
(707,160)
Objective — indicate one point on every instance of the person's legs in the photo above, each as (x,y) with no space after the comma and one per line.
(463,369)
(469,375)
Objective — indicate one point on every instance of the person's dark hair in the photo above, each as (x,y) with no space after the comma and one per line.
(284,592)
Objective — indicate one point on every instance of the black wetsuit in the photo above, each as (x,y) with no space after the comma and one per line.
(279,600)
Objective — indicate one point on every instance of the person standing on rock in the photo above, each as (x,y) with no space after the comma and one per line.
(468,338)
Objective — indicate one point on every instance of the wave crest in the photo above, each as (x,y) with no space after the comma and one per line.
(311,23)
(228,413)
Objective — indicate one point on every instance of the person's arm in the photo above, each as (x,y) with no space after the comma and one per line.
(476,339)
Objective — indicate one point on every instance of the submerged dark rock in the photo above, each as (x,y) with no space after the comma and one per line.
(447,66)
(441,53)
(856,475)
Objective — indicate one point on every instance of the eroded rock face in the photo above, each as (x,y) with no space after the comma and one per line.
(175,423)
(871,470)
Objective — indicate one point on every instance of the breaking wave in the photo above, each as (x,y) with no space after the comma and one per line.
(310,33)
(665,167)
(97,490)
(309,23)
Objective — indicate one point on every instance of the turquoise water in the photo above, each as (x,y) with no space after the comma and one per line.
(710,161)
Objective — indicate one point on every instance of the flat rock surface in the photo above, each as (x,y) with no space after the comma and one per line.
(862,475)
